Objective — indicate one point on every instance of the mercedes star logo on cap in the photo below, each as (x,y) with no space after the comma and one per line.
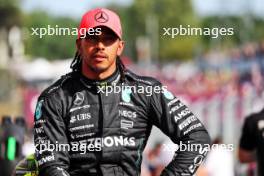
(101,17)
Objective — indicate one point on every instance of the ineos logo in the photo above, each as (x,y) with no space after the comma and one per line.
(128,114)
(101,17)
(78,98)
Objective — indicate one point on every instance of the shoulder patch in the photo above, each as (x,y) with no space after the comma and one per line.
(168,94)
(38,111)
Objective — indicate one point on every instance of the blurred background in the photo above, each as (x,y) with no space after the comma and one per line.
(221,79)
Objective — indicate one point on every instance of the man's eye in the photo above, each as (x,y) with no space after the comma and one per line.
(109,38)
(91,38)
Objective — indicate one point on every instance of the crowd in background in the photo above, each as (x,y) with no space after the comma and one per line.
(229,71)
(236,73)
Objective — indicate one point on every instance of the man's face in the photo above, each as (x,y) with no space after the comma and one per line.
(99,52)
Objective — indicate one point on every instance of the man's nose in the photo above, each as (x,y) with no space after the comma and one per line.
(100,44)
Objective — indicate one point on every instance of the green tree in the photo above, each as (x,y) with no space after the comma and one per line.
(247,28)
(10,13)
(169,14)
(49,46)
(173,13)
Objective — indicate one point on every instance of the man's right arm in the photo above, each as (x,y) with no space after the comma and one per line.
(49,130)
(246,152)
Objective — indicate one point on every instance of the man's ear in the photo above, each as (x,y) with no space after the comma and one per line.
(78,44)
(120,48)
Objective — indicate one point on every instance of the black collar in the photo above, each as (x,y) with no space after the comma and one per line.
(111,80)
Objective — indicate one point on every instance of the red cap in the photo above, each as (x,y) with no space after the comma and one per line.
(101,17)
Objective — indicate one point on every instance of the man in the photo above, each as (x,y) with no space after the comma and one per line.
(107,130)
(252,141)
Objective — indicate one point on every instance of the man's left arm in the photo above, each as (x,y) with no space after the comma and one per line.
(175,119)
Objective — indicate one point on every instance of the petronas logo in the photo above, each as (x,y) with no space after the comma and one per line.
(38,111)
(126,95)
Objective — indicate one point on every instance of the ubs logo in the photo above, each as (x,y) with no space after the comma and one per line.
(78,98)
(80,117)
(101,17)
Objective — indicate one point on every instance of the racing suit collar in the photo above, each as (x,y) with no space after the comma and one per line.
(111,80)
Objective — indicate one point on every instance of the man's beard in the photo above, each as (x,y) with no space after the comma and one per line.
(97,69)
(94,68)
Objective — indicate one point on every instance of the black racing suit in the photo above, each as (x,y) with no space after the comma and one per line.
(106,132)
(253,137)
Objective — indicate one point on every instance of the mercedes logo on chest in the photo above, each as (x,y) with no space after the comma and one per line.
(101,17)
(78,98)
